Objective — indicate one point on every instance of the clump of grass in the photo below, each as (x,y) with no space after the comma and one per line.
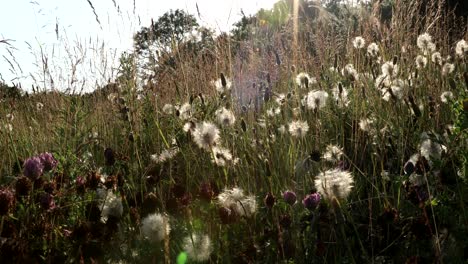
(354,158)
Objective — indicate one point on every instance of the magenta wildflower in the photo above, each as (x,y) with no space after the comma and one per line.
(48,161)
(289,197)
(311,201)
(33,168)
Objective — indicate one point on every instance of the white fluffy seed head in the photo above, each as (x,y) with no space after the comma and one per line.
(155,227)
(198,247)
(206,135)
(298,128)
(359,42)
(225,117)
(334,183)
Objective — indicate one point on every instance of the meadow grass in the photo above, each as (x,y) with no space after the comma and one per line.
(347,154)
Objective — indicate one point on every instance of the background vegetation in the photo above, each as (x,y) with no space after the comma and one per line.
(122,153)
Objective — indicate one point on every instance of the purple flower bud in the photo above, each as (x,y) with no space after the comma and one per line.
(47,201)
(289,197)
(48,161)
(33,168)
(6,201)
(311,201)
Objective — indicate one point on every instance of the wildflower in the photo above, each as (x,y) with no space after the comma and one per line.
(23,186)
(311,201)
(448,68)
(225,117)
(298,128)
(303,80)
(316,99)
(189,127)
(7,200)
(446,96)
(33,168)
(39,106)
(282,129)
(436,58)
(389,69)
(430,149)
(206,135)
(185,111)
(461,48)
(221,156)
(198,247)
(235,199)
(367,124)
(373,50)
(395,92)
(383,81)
(340,95)
(359,42)
(421,62)
(110,204)
(155,227)
(334,183)
(48,161)
(222,85)
(289,197)
(168,109)
(333,153)
(165,155)
(425,43)
(349,72)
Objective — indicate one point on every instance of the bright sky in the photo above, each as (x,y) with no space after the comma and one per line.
(31,27)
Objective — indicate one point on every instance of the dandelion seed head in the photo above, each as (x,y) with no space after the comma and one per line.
(334,183)
(298,128)
(244,205)
(110,203)
(206,135)
(389,69)
(333,153)
(373,50)
(448,68)
(340,95)
(155,227)
(425,44)
(316,99)
(222,156)
(225,117)
(359,42)
(350,72)
(461,48)
(421,62)
(168,109)
(185,111)
(446,96)
(303,80)
(222,88)
(198,247)
(436,58)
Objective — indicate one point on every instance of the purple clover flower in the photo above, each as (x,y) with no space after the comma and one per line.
(311,201)
(33,168)
(289,197)
(48,160)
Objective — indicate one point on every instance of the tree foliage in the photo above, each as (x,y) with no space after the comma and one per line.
(168,31)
